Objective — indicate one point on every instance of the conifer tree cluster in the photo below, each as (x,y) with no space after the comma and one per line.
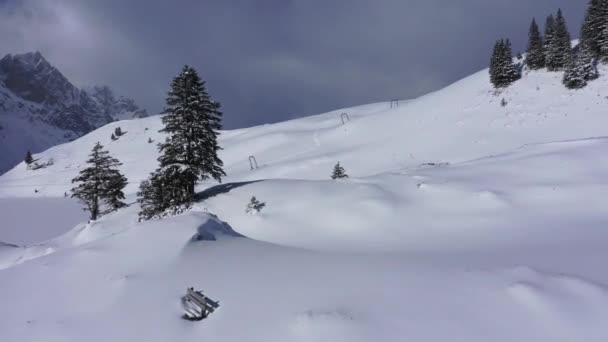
(502,70)
(190,152)
(554,50)
(100,184)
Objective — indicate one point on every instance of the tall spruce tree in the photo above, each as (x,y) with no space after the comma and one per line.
(549,36)
(502,70)
(596,21)
(101,183)
(603,44)
(190,152)
(536,48)
(494,61)
(560,46)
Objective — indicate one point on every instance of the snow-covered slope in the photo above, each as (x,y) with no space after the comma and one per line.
(461,122)
(463,220)
(40,108)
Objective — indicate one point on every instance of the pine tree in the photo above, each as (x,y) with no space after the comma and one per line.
(536,48)
(587,62)
(548,41)
(560,46)
(192,122)
(254,206)
(502,70)
(603,45)
(118,132)
(101,183)
(338,172)
(574,77)
(28,158)
(190,152)
(494,62)
(581,69)
(596,21)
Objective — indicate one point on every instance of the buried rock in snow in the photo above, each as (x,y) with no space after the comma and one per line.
(213,229)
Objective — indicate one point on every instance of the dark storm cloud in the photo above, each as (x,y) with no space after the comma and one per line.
(270,60)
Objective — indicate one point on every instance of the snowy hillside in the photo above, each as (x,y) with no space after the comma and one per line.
(463,220)
(40,108)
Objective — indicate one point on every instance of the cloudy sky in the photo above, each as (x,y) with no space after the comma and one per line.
(272,60)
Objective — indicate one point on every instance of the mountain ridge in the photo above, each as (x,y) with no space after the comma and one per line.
(40,107)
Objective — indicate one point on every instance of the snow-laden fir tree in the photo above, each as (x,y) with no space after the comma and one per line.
(582,69)
(494,62)
(254,206)
(338,172)
(603,44)
(574,77)
(28,158)
(560,47)
(502,70)
(100,183)
(548,37)
(536,49)
(596,21)
(587,61)
(190,152)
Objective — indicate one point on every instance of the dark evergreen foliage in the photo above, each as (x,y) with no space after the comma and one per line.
(536,49)
(190,152)
(596,22)
(254,206)
(118,132)
(559,54)
(101,183)
(28,158)
(603,44)
(502,70)
(582,69)
(338,172)
(549,35)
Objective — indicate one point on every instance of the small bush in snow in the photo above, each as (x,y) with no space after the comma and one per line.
(150,140)
(28,158)
(338,172)
(503,103)
(254,206)
(118,132)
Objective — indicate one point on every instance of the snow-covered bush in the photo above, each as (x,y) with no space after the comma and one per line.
(338,172)
(254,206)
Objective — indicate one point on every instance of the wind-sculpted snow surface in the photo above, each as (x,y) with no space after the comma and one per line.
(126,287)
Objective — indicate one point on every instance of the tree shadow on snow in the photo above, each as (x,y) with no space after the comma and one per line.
(220,189)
